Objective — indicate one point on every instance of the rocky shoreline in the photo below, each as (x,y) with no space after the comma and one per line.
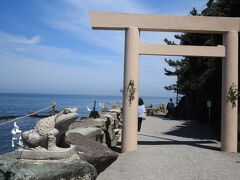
(92,139)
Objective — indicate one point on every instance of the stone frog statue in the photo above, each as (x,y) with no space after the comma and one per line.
(49,133)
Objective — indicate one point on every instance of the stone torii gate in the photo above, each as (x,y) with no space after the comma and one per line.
(132,24)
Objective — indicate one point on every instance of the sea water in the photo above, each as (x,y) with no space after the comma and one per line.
(23,104)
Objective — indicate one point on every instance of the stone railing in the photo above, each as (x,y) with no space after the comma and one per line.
(106,129)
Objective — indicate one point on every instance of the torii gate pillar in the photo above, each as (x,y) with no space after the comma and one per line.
(131,72)
(229,76)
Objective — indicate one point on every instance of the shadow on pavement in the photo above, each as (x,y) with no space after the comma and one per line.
(168,141)
(117,148)
(192,129)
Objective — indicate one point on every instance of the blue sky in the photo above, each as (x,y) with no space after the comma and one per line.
(49,47)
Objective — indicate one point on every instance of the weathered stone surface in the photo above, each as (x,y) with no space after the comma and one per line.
(49,131)
(110,126)
(44,154)
(46,141)
(2,175)
(12,168)
(95,153)
(88,122)
(90,132)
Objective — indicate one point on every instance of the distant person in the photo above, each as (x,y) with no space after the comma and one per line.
(141,113)
(170,108)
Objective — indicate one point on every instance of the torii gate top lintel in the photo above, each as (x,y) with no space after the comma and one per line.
(154,22)
(150,22)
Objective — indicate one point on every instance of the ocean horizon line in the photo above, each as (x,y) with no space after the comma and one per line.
(96,95)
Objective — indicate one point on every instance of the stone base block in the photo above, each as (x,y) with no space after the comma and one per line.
(44,154)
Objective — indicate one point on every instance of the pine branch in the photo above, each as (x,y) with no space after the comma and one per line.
(172,87)
(169,73)
(169,42)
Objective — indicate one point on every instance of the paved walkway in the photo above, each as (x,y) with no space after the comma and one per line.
(174,150)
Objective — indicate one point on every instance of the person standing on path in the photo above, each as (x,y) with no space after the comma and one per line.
(141,113)
(170,108)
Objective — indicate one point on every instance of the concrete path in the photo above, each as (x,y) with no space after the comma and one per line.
(174,150)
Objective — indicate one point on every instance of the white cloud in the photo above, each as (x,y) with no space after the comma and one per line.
(21,46)
(75,20)
(7,38)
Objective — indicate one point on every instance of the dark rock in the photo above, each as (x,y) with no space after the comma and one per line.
(94,114)
(97,154)
(2,175)
(12,168)
(8,117)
